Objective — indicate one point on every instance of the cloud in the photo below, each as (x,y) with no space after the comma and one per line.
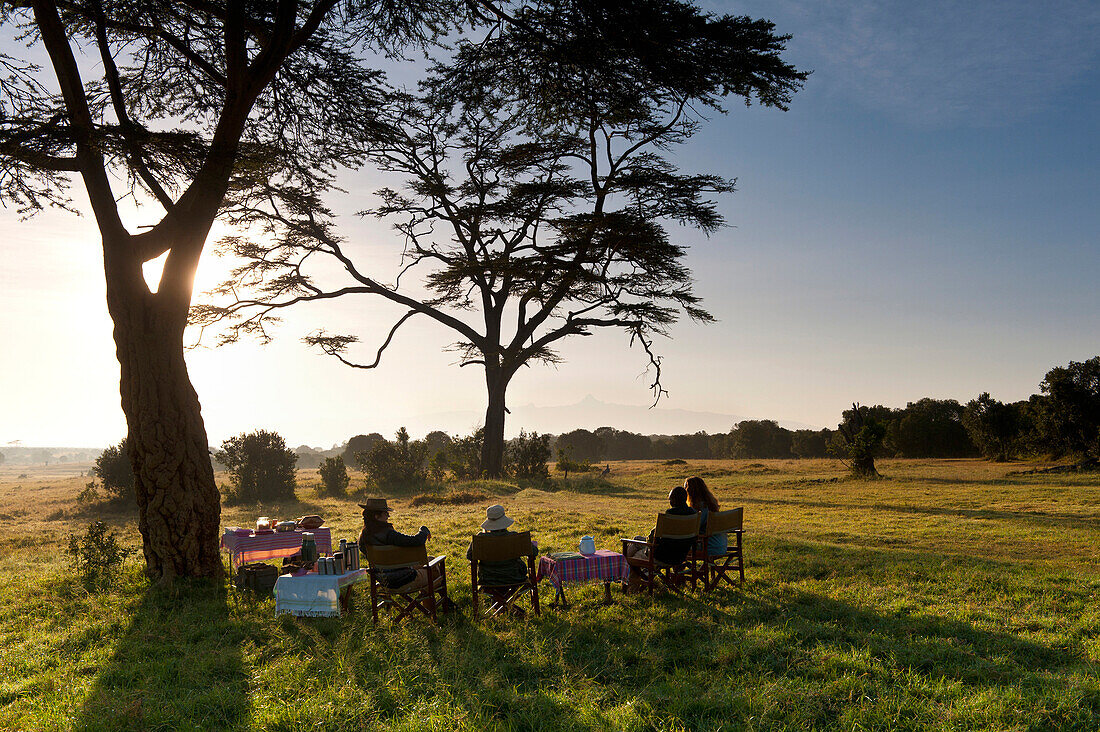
(940,62)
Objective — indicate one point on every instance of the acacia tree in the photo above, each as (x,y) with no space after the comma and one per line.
(184,106)
(538,190)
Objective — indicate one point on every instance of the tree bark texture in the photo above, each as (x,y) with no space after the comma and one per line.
(492,446)
(178,502)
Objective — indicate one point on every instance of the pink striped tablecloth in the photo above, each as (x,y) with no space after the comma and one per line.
(261,547)
(605,566)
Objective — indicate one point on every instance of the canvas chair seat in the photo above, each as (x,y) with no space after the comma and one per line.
(504,597)
(651,571)
(717,568)
(406,601)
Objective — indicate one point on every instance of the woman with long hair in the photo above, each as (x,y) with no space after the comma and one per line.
(702,500)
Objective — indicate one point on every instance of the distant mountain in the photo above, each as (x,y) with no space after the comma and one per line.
(590,413)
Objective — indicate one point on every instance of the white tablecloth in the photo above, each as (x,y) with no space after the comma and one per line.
(313,595)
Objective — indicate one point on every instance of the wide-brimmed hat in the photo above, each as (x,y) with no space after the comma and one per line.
(495,519)
(375,504)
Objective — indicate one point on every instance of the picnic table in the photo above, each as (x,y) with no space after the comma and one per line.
(255,547)
(604,566)
(308,594)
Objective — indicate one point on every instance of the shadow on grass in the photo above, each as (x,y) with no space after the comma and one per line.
(1047,518)
(782,655)
(179,660)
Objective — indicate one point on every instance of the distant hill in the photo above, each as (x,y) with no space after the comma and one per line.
(590,413)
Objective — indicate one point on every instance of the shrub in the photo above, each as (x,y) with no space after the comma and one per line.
(97,555)
(527,454)
(89,494)
(334,477)
(567,465)
(464,456)
(399,463)
(260,467)
(115,472)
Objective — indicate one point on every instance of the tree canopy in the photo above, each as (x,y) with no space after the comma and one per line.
(185,106)
(539,186)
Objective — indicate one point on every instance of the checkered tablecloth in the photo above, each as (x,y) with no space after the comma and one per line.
(314,595)
(604,565)
(261,547)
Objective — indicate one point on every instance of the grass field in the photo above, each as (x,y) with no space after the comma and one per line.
(951,595)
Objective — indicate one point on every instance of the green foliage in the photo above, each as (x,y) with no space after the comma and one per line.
(115,472)
(759,438)
(334,477)
(932,428)
(464,455)
(527,455)
(97,555)
(566,464)
(995,427)
(396,464)
(260,467)
(580,444)
(859,438)
(810,443)
(1068,419)
(360,444)
(89,494)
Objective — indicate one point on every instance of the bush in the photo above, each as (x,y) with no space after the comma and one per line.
(567,465)
(334,477)
(97,555)
(527,454)
(89,494)
(395,464)
(260,467)
(115,472)
(464,456)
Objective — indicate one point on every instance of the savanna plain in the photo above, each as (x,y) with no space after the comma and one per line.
(949,595)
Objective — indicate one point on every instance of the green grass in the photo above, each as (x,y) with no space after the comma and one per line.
(951,595)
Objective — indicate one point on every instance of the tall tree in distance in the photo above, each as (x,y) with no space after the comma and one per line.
(1068,418)
(183,105)
(539,190)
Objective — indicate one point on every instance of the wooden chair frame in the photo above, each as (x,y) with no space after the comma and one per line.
(718,568)
(674,577)
(500,548)
(420,599)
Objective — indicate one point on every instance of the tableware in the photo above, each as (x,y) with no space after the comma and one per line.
(309,549)
(587,546)
(286,526)
(263,523)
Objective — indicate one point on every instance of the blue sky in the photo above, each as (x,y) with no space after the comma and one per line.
(922,222)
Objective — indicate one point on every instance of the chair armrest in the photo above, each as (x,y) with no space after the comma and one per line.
(638,542)
(437,560)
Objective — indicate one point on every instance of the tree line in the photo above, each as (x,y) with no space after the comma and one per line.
(1062,420)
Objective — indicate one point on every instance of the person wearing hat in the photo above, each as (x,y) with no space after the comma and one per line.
(378,531)
(509,571)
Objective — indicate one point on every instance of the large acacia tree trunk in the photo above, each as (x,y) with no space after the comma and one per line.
(178,502)
(492,446)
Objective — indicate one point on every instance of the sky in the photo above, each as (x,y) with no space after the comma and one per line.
(923,221)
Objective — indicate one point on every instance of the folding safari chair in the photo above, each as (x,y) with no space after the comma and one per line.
(714,569)
(404,603)
(500,548)
(673,576)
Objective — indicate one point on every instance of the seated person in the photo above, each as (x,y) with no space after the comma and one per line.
(378,531)
(702,500)
(666,551)
(509,571)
